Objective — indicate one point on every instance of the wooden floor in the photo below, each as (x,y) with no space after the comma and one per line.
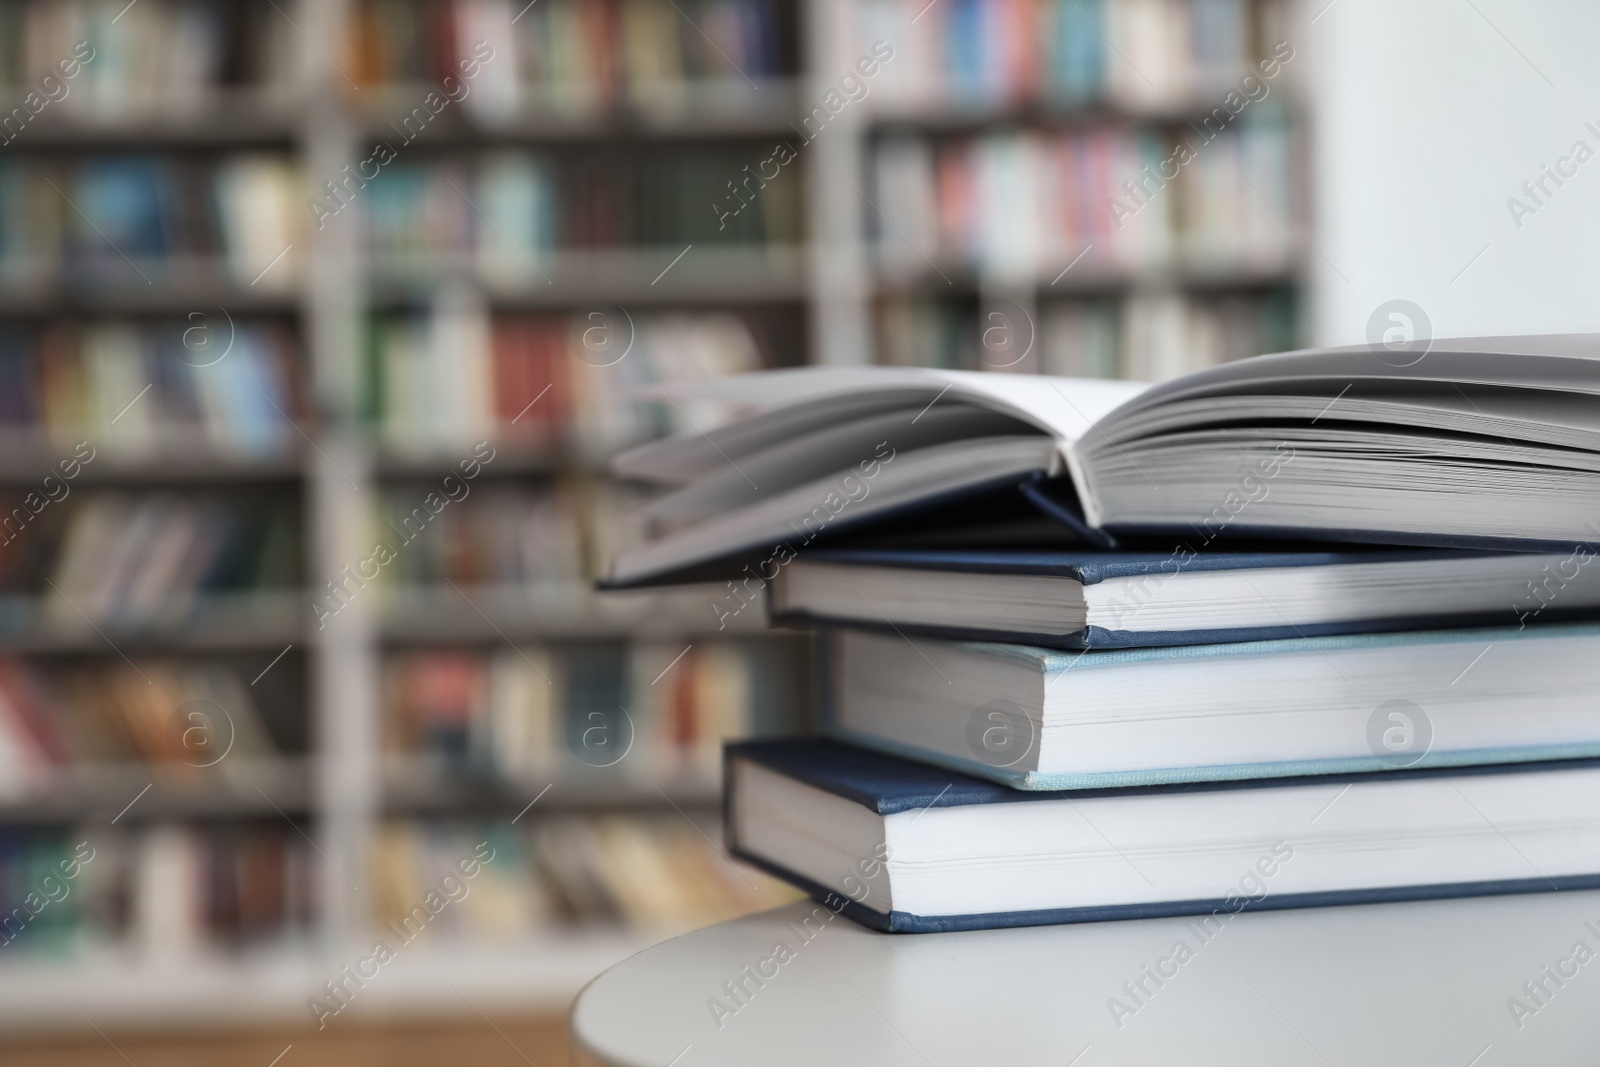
(501,1042)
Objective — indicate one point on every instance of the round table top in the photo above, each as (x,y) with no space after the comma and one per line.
(1438,982)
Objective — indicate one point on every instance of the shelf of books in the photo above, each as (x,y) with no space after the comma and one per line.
(318,322)
(1103,188)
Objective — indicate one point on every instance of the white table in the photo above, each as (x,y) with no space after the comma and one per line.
(1421,983)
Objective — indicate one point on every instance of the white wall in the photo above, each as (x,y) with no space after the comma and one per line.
(1425,119)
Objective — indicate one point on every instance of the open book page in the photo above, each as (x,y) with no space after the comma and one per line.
(783,522)
(745,478)
(825,440)
(1480,440)
(1360,423)
(1531,380)
(1565,420)
(796,404)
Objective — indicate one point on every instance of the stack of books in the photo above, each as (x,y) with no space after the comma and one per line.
(1299,630)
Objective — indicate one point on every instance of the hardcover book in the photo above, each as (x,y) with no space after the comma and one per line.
(1037,719)
(1084,598)
(906,848)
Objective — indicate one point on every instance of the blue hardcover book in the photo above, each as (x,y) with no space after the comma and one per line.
(1085,598)
(907,848)
(1036,719)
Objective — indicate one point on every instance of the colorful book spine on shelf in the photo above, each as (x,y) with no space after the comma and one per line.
(648,708)
(112,218)
(32,740)
(1022,207)
(165,891)
(261,218)
(456,375)
(221,386)
(1141,54)
(159,712)
(655,873)
(532,378)
(573,55)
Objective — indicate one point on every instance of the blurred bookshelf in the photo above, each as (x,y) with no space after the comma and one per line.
(217,400)
(1024,205)
(241,348)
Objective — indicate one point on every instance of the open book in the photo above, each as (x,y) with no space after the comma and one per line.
(1483,441)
